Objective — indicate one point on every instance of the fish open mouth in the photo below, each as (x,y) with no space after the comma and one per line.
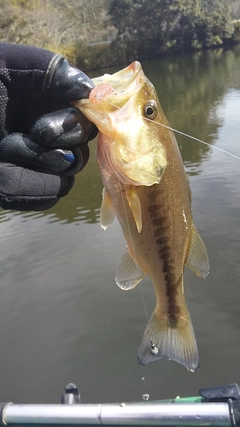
(117,88)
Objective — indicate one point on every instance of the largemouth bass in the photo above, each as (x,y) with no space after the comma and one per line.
(146,187)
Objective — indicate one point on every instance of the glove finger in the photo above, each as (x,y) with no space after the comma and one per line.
(23,151)
(24,189)
(68,82)
(64,128)
(93,131)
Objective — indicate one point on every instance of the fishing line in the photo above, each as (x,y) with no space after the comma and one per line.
(194,138)
(144,302)
(185,134)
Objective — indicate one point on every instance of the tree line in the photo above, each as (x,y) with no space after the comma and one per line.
(160,26)
(98,33)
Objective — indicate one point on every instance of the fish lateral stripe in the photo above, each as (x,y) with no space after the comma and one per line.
(158,220)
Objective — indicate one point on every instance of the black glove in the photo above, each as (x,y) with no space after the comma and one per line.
(43,140)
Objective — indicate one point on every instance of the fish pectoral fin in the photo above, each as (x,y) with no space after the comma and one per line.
(107,213)
(128,273)
(135,206)
(197,259)
(161,341)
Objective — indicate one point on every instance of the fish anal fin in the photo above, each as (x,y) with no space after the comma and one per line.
(135,206)
(107,213)
(161,341)
(128,273)
(197,259)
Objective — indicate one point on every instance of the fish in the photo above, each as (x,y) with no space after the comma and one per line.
(147,189)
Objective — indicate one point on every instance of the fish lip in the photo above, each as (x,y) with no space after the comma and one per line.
(123,79)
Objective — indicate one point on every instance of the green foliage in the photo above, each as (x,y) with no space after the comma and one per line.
(149,27)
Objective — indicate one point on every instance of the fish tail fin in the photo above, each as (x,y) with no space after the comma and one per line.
(162,341)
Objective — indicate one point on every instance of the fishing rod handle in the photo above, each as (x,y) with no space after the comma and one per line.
(123,414)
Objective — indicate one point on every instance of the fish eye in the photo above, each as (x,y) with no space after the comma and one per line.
(150,110)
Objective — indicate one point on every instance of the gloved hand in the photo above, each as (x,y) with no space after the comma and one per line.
(43,140)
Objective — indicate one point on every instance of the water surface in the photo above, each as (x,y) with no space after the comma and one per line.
(62,318)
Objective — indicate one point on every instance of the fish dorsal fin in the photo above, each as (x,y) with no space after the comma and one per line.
(128,273)
(197,259)
(107,213)
(135,206)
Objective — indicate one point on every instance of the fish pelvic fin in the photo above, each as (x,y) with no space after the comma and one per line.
(135,206)
(107,213)
(128,273)
(161,341)
(197,259)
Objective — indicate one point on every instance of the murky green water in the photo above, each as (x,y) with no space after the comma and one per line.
(62,318)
